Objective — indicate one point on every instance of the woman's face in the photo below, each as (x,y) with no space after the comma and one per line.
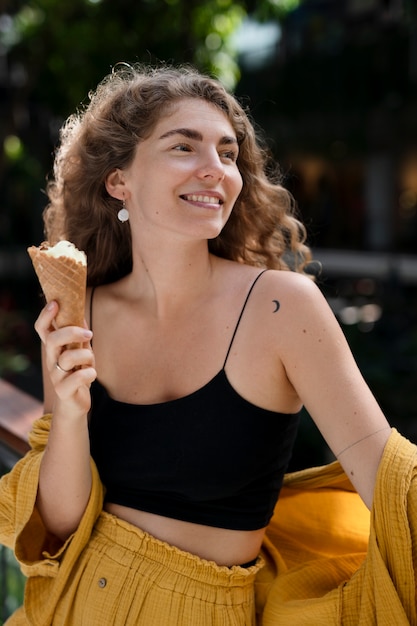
(184,177)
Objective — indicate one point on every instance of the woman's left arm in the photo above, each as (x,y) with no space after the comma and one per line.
(322,369)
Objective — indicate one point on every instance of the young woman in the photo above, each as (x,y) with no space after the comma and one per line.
(200,348)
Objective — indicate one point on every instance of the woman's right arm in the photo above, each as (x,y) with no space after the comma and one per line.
(65,473)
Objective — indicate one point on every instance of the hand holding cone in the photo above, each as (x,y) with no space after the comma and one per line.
(62,273)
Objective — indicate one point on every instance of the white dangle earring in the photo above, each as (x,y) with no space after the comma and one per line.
(123,214)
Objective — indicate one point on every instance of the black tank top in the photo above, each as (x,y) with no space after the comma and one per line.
(210,457)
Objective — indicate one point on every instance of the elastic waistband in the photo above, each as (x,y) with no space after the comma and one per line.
(138,543)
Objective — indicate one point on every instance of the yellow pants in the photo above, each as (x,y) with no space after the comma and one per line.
(125,577)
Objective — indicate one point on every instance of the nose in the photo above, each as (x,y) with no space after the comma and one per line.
(211,167)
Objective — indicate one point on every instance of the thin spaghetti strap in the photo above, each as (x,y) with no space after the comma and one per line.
(241,314)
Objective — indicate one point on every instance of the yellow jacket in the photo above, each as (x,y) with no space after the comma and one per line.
(41,555)
(328,562)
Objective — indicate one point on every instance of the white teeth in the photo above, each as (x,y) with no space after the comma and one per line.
(205,199)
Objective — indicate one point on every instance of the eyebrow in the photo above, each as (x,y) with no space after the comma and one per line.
(197,136)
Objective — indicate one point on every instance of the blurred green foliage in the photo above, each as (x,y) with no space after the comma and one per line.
(52,53)
(63,48)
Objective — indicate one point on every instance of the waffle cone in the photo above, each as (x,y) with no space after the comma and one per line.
(62,279)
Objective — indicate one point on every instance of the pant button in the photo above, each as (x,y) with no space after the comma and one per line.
(102,582)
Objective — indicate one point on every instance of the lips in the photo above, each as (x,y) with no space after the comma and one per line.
(204,198)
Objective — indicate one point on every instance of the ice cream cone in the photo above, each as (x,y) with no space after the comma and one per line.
(63,277)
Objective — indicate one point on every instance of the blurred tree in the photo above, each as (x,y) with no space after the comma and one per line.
(52,53)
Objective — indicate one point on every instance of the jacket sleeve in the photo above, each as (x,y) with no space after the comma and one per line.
(21,528)
(330,561)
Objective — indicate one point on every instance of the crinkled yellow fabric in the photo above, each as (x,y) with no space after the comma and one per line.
(40,554)
(328,561)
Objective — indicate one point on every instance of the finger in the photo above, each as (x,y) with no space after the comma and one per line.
(72,380)
(58,341)
(69,360)
(73,393)
(45,319)
(61,369)
(69,335)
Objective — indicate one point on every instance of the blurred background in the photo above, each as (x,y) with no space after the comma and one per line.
(333,83)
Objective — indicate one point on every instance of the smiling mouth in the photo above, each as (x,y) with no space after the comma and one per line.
(202,198)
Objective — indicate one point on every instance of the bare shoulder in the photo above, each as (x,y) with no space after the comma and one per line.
(297,320)
(291,283)
(293,296)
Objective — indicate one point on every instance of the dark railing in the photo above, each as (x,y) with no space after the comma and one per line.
(18,410)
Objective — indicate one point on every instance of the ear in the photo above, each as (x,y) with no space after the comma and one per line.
(115,184)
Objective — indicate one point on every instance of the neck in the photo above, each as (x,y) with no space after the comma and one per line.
(169,278)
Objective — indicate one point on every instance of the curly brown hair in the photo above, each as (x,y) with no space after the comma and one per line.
(263,229)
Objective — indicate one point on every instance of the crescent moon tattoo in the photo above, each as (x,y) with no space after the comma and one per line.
(277,305)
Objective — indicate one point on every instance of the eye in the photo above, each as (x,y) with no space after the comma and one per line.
(182,147)
(230,155)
